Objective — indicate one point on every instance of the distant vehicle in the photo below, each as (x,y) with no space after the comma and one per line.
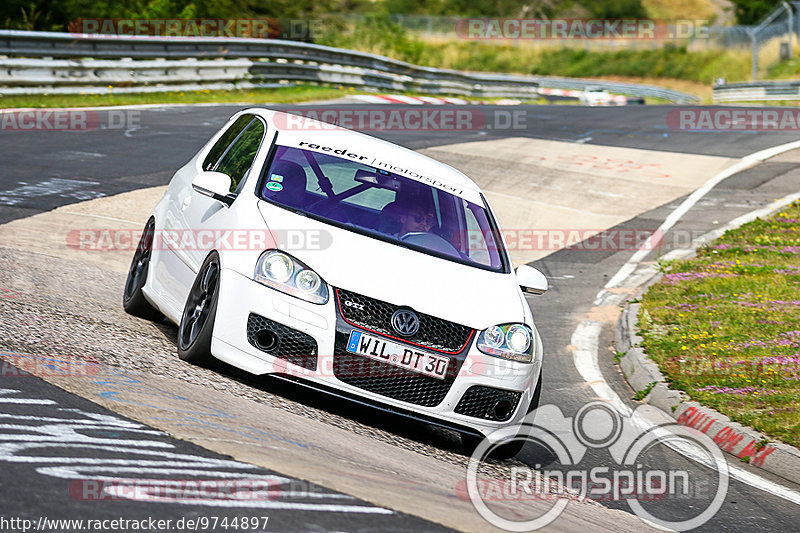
(595,96)
(411,305)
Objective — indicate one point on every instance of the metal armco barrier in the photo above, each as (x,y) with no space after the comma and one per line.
(269,61)
(757,91)
(57,72)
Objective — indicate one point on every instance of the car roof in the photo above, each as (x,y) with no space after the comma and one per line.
(290,132)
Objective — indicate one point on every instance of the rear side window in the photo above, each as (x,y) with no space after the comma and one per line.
(233,154)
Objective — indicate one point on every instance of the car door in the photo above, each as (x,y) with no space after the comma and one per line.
(202,217)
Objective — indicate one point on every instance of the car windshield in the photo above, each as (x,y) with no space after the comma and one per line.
(384,205)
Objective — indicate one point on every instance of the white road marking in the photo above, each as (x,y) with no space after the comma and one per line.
(586,336)
(746,162)
(287,506)
(109,458)
(71,154)
(30,401)
(606,193)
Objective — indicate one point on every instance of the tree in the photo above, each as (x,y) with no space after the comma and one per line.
(752,11)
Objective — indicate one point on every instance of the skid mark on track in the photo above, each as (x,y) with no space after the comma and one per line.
(77,189)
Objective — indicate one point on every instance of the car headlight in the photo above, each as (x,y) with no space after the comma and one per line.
(284,273)
(509,341)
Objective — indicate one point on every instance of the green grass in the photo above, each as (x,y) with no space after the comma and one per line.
(725,326)
(667,62)
(642,394)
(301,93)
(376,34)
(784,70)
(288,95)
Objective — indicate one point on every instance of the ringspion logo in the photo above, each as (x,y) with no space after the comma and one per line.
(504,500)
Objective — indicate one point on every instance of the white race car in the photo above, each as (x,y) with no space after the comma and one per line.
(349,264)
(595,96)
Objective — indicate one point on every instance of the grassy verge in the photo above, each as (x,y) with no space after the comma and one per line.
(300,93)
(725,326)
(288,95)
(377,34)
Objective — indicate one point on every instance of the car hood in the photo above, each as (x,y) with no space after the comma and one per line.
(466,295)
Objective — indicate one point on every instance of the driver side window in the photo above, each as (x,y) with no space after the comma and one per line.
(233,154)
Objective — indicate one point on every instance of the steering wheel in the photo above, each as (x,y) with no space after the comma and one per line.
(430,241)
(414,233)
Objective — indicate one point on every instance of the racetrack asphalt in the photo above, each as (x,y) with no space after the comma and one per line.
(43,170)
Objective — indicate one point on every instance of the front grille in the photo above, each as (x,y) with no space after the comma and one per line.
(376,315)
(291,345)
(480,402)
(389,380)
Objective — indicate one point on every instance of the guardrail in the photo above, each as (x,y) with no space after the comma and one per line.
(271,60)
(756,91)
(58,72)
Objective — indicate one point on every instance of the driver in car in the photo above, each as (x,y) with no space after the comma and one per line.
(416,219)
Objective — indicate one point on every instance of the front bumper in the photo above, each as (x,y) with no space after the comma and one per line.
(241,298)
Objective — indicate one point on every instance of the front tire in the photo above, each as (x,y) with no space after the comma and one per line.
(133,300)
(197,321)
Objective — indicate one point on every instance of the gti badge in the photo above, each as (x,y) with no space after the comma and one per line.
(354,305)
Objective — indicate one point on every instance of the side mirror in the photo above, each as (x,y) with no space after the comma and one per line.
(531,280)
(215,185)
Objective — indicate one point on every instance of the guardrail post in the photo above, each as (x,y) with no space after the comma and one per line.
(754,39)
(796,22)
(790,28)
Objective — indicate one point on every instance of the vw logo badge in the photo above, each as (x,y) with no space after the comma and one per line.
(405,322)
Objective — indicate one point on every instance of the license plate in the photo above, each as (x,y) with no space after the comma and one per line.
(398,355)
